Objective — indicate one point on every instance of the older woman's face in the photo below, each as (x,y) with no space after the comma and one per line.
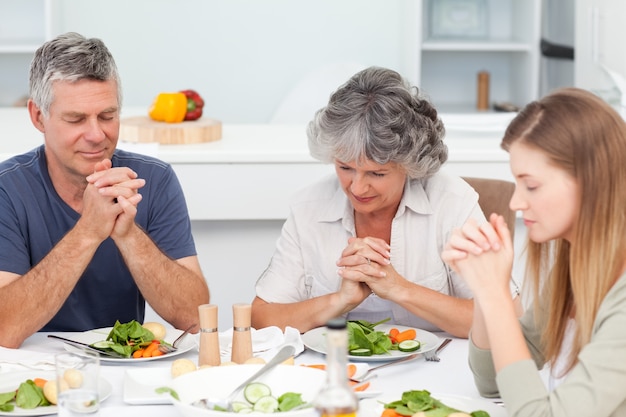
(370,187)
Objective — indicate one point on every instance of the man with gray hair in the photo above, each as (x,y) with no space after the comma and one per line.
(88,232)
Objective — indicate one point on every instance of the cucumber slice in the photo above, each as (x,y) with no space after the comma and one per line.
(241,407)
(267,404)
(409,346)
(361,352)
(103,344)
(256,390)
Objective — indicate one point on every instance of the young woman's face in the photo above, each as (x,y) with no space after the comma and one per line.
(370,187)
(546,195)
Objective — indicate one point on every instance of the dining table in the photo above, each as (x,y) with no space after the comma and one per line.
(449,376)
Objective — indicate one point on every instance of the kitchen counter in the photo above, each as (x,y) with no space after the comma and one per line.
(254,169)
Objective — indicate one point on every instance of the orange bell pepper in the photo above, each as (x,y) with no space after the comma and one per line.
(169,107)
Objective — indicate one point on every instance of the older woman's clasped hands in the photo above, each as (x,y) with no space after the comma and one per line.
(368,261)
(479,252)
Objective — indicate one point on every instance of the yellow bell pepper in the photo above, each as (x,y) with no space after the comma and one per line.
(169,107)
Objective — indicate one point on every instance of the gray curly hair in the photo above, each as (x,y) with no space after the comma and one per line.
(379,117)
(70,57)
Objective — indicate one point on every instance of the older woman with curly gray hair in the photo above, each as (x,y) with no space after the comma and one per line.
(365,243)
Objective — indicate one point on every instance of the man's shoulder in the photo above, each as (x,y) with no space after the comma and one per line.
(21,162)
(136,160)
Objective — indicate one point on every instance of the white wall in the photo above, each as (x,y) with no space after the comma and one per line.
(243,56)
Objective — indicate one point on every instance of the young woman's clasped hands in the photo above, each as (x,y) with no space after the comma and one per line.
(483,255)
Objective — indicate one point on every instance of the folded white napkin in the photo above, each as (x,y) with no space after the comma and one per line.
(20,359)
(265,342)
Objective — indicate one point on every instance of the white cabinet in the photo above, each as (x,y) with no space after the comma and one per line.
(600,64)
(459,38)
(24,26)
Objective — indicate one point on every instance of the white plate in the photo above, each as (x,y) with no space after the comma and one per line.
(96,335)
(140,385)
(315,339)
(11,381)
(374,407)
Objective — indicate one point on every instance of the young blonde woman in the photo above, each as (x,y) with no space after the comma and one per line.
(568,157)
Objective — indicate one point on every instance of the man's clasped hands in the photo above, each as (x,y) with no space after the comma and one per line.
(110,200)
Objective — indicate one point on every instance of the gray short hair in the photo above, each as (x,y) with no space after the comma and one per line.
(70,57)
(378,116)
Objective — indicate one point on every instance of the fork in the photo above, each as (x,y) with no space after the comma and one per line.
(367,375)
(174,346)
(433,356)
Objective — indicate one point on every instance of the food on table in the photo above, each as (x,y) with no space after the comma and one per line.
(365,340)
(185,105)
(157,329)
(131,340)
(50,391)
(421,404)
(351,371)
(258,397)
(409,345)
(33,393)
(73,377)
(181,367)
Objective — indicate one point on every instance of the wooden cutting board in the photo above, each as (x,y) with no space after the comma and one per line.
(144,129)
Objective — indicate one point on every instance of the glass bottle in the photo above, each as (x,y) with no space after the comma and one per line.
(336,398)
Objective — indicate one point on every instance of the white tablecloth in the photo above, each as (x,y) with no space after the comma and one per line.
(450,376)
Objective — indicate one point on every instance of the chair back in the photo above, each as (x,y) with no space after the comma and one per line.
(494,196)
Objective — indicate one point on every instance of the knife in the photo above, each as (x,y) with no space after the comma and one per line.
(88,347)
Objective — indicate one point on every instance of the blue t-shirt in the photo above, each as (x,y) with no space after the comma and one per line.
(33,218)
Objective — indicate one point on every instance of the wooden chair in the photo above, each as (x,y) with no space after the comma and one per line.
(493,197)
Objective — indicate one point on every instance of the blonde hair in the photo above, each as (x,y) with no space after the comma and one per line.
(585,137)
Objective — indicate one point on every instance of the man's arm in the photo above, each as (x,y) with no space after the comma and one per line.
(174,288)
(31,300)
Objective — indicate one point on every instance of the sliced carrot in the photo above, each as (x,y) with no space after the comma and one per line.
(156,352)
(390,412)
(138,353)
(147,352)
(40,382)
(362,387)
(351,370)
(393,332)
(317,366)
(408,334)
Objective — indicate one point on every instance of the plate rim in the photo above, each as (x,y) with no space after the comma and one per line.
(105,389)
(395,355)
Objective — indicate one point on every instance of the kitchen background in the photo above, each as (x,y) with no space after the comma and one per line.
(277,61)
